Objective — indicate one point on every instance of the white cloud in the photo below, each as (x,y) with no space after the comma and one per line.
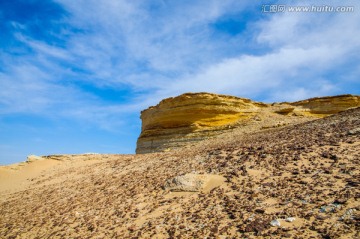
(303,49)
(26,88)
(45,50)
(159,36)
(255,75)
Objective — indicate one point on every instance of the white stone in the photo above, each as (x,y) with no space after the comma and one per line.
(290,219)
(275,223)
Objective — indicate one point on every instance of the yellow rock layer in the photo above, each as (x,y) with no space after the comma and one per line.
(191,117)
(328,105)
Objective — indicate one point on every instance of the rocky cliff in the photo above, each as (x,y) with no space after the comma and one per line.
(185,119)
(328,105)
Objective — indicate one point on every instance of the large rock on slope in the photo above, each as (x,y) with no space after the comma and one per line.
(191,117)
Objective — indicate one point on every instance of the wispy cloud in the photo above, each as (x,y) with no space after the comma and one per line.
(157,50)
(304,57)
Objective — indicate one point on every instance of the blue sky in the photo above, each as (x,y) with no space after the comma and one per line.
(74,75)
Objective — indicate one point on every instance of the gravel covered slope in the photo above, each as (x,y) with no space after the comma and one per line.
(299,181)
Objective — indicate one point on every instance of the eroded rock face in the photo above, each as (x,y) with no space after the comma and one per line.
(328,105)
(191,117)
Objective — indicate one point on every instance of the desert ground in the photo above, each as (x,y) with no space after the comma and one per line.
(294,181)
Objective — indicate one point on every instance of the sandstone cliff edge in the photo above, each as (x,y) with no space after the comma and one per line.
(183,120)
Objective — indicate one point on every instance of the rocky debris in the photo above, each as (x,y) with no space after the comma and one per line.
(122,196)
(193,182)
(256,226)
(354,131)
(186,119)
(349,214)
(333,207)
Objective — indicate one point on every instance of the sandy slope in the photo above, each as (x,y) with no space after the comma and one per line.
(309,172)
(16,177)
(20,176)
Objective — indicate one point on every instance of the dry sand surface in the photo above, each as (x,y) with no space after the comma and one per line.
(299,181)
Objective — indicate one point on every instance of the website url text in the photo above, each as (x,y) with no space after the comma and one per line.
(275,8)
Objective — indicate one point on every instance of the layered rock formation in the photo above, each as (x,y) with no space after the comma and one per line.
(328,105)
(191,117)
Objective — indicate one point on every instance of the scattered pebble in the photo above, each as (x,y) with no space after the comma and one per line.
(275,223)
(290,219)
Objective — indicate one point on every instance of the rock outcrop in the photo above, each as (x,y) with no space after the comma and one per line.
(191,117)
(328,105)
(32,158)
